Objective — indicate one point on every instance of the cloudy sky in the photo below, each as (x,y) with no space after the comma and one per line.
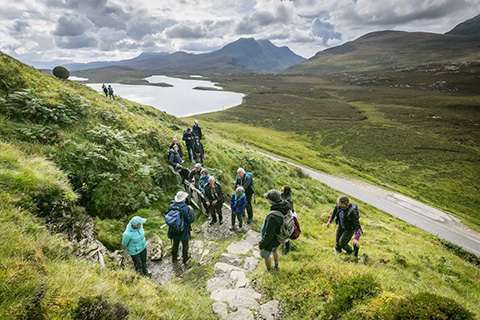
(88,30)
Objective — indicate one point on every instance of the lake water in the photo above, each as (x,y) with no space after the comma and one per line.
(181,100)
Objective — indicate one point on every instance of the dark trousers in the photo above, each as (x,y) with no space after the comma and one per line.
(214,210)
(199,159)
(342,239)
(248,205)
(176,243)
(190,151)
(240,219)
(140,262)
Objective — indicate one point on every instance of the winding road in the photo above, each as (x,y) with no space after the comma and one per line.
(416,213)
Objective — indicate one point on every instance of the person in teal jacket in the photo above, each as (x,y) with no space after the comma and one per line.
(134,240)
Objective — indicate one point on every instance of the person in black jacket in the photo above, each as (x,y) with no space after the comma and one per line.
(175,143)
(346,216)
(243,180)
(183,172)
(271,228)
(174,157)
(198,151)
(189,139)
(214,199)
(197,130)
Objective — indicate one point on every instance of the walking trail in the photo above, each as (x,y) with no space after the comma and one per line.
(416,213)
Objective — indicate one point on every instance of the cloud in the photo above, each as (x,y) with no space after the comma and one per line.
(76,42)
(185,31)
(324,30)
(72,25)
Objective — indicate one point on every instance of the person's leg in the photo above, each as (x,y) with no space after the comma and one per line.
(233,221)
(268,259)
(268,263)
(240,220)
(211,212)
(248,206)
(137,263)
(185,255)
(338,235)
(286,247)
(276,258)
(175,245)
(344,239)
(218,208)
(143,258)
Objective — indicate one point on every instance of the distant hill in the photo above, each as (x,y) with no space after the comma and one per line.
(103,64)
(243,55)
(387,49)
(469,27)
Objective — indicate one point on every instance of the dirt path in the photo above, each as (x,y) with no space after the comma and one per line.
(416,213)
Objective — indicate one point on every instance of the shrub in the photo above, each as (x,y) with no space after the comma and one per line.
(61,72)
(427,305)
(93,308)
(348,291)
(462,253)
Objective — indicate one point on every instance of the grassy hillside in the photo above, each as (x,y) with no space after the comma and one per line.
(418,140)
(391,49)
(65,146)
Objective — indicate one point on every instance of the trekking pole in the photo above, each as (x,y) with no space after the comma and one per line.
(163,226)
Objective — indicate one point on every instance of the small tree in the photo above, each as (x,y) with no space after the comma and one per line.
(61,72)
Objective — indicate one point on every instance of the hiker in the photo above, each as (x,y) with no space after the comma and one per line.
(189,139)
(179,218)
(271,228)
(175,143)
(195,174)
(245,180)
(110,92)
(204,176)
(134,240)
(286,195)
(237,205)
(105,90)
(197,131)
(198,151)
(183,172)
(346,216)
(214,200)
(174,157)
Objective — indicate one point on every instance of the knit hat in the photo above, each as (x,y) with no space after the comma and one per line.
(136,220)
(181,196)
(273,195)
(198,165)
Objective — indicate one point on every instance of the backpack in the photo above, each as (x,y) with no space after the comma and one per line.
(296,231)
(288,226)
(249,174)
(174,220)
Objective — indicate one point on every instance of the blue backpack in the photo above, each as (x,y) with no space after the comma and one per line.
(174,220)
(248,174)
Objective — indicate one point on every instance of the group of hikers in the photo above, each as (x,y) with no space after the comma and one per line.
(193,142)
(279,226)
(108,91)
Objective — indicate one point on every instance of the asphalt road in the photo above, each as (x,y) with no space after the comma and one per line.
(416,213)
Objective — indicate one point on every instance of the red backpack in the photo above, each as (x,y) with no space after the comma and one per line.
(296,230)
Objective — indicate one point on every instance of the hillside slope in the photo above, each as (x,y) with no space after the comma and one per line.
(466,28)
(67,151)
(391,49)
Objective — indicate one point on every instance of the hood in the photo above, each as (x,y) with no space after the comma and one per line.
(281,206)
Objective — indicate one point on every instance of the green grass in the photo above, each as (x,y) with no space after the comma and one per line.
(422,143)
(41,278)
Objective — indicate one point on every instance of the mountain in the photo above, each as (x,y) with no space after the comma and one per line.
(387,49)
(469,27)
(102,64)
(243,55)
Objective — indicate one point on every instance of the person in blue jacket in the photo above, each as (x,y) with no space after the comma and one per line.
(134,240)
(188,217)
(237,204)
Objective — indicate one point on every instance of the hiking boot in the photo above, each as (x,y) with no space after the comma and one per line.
(355,251)
(249,221)
(275,267)
(212,222)
(185,261)
(232,228)
(220,222)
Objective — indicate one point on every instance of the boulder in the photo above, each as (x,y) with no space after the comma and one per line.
(231,259)
(270,311)
(239,247)
(240,314)
(238,298)
(250,263)
(223,269)
(220,309)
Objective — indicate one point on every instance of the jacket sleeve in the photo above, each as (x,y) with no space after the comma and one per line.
(269,232)
(189,215)
(184,137)
(220,192)
(242,204)
(333,214)
(248,182)
(232,202)
(125,240)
